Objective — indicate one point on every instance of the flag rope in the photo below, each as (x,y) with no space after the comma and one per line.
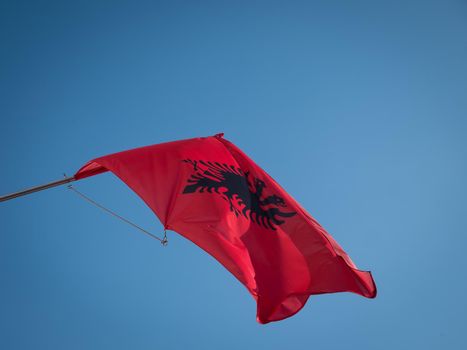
(163,240)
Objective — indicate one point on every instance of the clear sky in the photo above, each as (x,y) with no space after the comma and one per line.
(357,108)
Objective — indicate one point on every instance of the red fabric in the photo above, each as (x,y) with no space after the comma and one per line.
(199,188)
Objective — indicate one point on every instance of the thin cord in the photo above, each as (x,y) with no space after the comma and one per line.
(164,240)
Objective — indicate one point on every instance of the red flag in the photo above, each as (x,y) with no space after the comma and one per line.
(212,193)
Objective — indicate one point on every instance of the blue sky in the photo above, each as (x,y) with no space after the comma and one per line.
(358,109)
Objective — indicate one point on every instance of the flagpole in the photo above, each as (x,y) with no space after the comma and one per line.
(37,188)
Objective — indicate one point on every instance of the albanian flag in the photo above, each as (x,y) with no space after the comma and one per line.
(212,193)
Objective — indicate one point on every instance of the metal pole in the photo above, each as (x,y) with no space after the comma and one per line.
(37,188)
